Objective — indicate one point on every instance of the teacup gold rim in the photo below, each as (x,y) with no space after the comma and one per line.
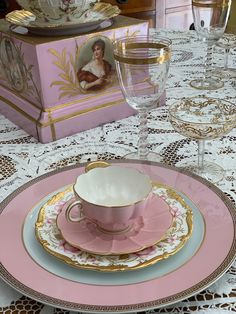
(104,164)
(114,206)
(199,123)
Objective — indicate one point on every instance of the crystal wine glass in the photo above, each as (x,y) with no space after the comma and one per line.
(142,65)
(227,42)
(210,19)
(202,118)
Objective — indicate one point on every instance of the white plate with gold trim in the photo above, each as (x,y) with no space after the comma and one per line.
(144,232)
(86,276)
(64,31)
(171,242)
(92,19)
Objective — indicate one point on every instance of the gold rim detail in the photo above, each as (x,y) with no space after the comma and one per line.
(165,53)
(25,18)
(212,4)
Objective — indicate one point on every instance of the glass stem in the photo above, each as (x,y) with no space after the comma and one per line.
(143,134)
(201,151)
(208,62)
(226,59)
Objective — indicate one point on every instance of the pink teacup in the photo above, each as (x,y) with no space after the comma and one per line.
(111,197)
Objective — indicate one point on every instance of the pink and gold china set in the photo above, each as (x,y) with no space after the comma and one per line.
(117,237)
(112,211)
(111,237)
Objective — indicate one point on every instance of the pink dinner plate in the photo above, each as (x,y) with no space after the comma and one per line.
(213,258)
(146,231)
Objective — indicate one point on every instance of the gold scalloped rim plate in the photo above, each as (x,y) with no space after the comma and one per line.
(112,262)
(104,11)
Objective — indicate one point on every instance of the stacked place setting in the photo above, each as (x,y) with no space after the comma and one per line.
(88,238)
(126,235)
(113,219)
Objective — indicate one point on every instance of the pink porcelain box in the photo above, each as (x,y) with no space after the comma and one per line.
(47,84)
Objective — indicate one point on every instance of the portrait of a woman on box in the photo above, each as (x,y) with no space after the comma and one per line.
(97,73)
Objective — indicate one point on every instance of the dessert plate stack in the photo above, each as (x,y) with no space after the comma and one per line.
(162,231)
(168,255)
(95,18)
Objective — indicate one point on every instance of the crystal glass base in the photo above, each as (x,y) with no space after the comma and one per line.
(210,171)
(151,156)
(207,84)
(224,73)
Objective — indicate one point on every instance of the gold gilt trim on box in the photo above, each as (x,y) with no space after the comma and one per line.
(84,111)
(13,106)
(52,127)
(62,118)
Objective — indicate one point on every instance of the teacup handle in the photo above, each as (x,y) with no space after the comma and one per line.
(81,215)
(68,211)
(96,164)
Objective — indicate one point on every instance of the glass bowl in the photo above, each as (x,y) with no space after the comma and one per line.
(202,118)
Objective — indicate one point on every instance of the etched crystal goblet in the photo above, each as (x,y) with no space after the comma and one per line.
(227,42)
(142,65)
(210,20)
(201,118)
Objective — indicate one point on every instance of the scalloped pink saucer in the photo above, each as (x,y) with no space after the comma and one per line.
(146,231)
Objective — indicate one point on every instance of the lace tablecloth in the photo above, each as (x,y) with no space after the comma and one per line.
(23,158)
